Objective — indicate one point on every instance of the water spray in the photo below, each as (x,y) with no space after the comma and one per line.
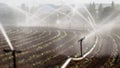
(10,45)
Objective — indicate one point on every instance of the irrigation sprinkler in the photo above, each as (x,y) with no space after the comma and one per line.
(10,45)
(14,55)
(81,41)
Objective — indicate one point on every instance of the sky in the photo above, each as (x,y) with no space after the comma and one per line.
(37,2)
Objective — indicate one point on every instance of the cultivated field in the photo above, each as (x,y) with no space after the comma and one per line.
(50,47)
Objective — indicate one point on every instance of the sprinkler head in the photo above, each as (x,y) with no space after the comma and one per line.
(7,50)
(17,51)
(81,39)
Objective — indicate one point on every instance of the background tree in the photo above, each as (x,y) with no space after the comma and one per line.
(92,10)
(100,10)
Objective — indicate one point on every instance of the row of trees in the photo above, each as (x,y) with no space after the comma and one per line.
(100,11)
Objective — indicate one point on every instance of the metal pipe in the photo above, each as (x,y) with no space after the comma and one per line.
(81,42)
(14,59)
(14,55)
